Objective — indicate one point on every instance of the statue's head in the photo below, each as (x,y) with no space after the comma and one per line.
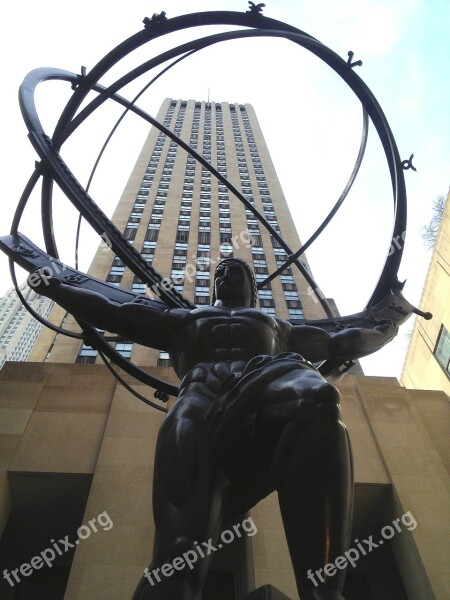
(234,284)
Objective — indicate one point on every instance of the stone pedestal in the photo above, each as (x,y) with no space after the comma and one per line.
(265,592)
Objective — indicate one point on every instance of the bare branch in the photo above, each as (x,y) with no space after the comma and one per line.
(430,231)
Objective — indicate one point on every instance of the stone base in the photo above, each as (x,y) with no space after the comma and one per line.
(265,592)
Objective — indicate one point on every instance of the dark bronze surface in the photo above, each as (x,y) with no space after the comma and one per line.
(254,412)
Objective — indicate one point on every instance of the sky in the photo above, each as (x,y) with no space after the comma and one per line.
(311,122)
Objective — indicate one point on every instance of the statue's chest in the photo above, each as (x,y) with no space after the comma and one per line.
(230,334)
(223,335)
(238,338)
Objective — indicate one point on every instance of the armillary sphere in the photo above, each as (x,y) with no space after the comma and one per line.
(386,300)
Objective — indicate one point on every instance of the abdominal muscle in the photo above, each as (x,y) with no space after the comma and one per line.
(224,342)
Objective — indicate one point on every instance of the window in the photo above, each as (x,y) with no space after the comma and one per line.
(177,276)
(151,235)
(203,263)
(148,244)
(114,279)
(164,359)
(124,348)
(256,240)
(287,270)
(202,291)
(130,233)
(86,355)
(291,295)
(138,288)
(178,258)
(267,303)
(293,304)
(265,293)
(442,350)
(203,279)
(295,313)
(204,237)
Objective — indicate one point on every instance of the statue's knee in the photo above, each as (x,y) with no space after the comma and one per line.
(328,401)
(182,548)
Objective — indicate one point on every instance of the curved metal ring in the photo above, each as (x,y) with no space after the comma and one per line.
(49,149)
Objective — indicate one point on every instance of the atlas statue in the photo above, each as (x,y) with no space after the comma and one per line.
(253,415)
(257,410)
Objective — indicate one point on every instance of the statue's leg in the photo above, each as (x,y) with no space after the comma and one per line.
(312,472)
(188,493)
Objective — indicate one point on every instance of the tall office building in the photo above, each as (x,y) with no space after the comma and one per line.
(19,330)
(182,219)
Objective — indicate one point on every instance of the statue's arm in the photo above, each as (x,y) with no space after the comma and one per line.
(311,342)
(135,322)
(356,342)
(317,344)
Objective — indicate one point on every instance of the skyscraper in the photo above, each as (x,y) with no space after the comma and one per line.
(19,330)
(183,220)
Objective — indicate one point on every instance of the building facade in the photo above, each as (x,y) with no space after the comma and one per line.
(78,448)
(183,220)
(427,362)
(19,330)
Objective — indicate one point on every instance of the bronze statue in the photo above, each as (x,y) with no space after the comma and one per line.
(253,415)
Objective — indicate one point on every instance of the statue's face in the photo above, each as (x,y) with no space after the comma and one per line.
(232,285)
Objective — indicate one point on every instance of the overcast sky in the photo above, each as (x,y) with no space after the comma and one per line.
(313,142)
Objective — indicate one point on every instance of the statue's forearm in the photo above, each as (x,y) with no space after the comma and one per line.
(355,342)
(310,342)
(316,344)
(84,304)
(134,322)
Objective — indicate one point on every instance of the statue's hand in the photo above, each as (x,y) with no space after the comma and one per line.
(386,327)
(356,342)
(43,284)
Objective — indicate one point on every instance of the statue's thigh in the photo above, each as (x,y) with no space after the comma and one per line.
(301,397)
(247,467)
(293,385)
